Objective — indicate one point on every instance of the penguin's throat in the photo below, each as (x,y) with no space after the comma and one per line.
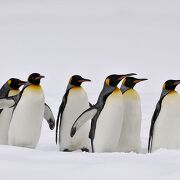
(34,87)
(166,92)
(124,88)
(116,91)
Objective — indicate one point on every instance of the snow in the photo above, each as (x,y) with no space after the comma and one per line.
(46,162)
(94,38)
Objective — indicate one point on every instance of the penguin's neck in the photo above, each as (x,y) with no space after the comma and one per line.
(124,88)
(70,86)
(164,93)
(4,91)
(104,93)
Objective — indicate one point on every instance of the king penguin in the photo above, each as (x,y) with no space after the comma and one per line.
(106,115)
(131,128)
(29,110)
(10,88)
(165,123)
(74,102)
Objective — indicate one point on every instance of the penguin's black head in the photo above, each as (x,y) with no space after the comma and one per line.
(77,80)
(114,79)
(171,84)
(15,83)
(35,78)
(130,82)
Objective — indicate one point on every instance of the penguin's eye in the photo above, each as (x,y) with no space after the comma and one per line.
(9,82)
(107,81)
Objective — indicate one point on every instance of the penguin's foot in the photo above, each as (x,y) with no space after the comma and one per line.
(85,150)
(66,150)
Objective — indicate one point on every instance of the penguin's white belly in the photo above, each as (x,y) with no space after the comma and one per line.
(25,127)
(167,127)
(109,124)
(77,103)
(131,128)
(5,119)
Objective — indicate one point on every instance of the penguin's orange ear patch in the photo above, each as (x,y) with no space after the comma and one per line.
(164,86)
(124,81)
(9,82)
(107,81)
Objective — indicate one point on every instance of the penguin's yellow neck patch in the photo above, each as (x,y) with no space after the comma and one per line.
(34,87)
(13,92)
(131,93)
(76,88)
(173,92)
(116,91)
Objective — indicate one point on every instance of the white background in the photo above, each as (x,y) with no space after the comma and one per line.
(93,38)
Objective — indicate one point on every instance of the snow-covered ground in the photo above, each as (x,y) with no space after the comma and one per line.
(46,162)
(93,38)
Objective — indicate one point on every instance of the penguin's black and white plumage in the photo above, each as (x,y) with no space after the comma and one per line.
(74,102)
(106,115)
(165,123)
(130,133)
(29,110)
(10,88)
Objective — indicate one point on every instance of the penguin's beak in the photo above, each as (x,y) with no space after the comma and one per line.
(40,77)
(84,80)
(139,80)
(22,83)
(126,75)
(177,82)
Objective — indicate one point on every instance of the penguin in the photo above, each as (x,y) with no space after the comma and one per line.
(106,115)
(74,102)
(165,124)
(10,88)
(29,110)
(131,128)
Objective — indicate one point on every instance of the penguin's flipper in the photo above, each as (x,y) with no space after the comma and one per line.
(49,117)
(153,120)
(60,112)
(83,118)
(6,102)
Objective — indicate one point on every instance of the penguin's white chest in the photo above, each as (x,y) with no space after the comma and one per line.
(131,128)
(167,127)
(77,102)
(109,124)
(27,118)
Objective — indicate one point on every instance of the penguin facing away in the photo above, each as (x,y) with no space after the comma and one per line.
(29,110)
(106,115)
(74,102)
(131,128)
(165,124)
(10,88)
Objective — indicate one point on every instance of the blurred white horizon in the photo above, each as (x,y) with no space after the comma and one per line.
(60,38)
